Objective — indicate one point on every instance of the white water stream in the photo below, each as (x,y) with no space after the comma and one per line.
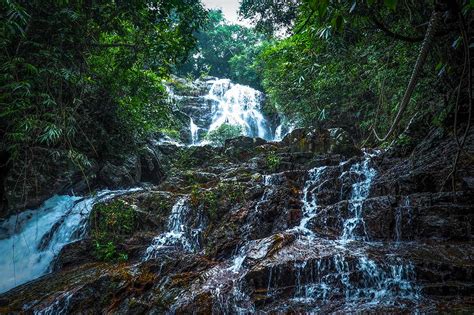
(35,237)
(380,282)
(178,235)
(236,105)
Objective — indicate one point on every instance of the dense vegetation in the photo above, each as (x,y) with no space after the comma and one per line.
(340,63)
(225,50)
(331,63)
(85,78)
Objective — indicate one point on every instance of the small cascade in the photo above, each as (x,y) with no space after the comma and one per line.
(179,234)
(282,130)
(309,197)
(172,96)
(238,105)
(350,273)
(60,306)
(37,236)
(360,191)
(269,182)
(194,131)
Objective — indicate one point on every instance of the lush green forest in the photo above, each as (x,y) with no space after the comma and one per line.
(82,76)
(298,157)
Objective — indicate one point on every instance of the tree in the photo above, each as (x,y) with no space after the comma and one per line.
(81,75)
(352,60)
(82,80)
(221,48)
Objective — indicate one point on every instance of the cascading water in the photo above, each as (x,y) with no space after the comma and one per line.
(360,192)
(35,237)
(236,105)
(230,273)
(309,197)
(179,235)
(194,131)
(283,129)
(378,282)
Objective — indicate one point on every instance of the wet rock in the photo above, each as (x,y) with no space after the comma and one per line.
(40,175)
(341,143)
(410,247)
(126,174)
(242,148)
(151,169)
(307,140)
(73,255)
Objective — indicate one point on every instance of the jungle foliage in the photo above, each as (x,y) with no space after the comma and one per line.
(111,223)
(224,50)
(222,133)
(83,78)
(340,62)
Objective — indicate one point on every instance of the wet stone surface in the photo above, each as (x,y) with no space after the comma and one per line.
(319,232)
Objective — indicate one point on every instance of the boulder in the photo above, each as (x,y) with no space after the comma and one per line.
(341,143)
(121,175)
(242,148)
(44,172)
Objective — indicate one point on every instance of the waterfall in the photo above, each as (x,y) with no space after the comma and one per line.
(283,129)
(360,192)
(35,237)
(309,197)
(194,131)
(378,282)
(238,105)
(179,234)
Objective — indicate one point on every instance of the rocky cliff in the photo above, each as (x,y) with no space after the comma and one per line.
(308,224)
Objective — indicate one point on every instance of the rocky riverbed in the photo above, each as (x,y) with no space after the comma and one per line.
(308,224)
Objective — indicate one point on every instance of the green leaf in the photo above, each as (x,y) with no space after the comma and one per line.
(339,23)
(391,4)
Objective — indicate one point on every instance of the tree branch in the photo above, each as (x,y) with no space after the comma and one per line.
(383,28)
(420,61)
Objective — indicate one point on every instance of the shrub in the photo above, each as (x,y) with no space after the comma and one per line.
(111,223)
(273,161)
(223,195)
(224,132)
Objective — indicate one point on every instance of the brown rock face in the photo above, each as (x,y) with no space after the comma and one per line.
(308,225)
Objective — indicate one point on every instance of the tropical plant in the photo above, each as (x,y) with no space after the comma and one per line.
(82,79)
(222,133)
(222,50)
(110,224)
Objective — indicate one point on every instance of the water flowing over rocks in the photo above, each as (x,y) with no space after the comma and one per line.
(211,102)
(201,106)
(310,224)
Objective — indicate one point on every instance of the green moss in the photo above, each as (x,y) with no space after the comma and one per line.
(207,199)
(221,197)
(273,161)
(180,88)
(185,159)
(172,133)
(111,223)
